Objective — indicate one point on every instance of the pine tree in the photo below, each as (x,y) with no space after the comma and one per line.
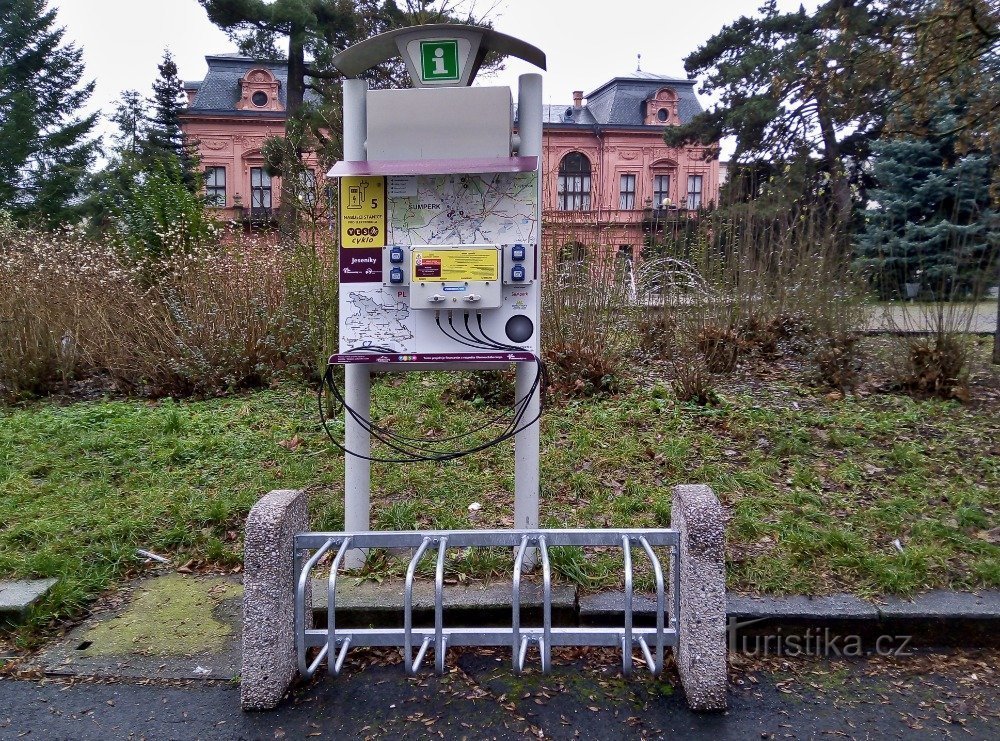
(165,142)
(45,143)
(931,222)
(132,120)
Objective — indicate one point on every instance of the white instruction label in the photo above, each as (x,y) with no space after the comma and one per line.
(403,186)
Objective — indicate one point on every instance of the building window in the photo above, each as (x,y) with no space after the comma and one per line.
(662,114)
(259,99)
(307,186)
(626,199)
(694,191)
(574,183)
(260,188)
(661,190)
(215,187)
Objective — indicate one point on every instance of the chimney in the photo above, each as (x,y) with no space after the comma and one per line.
(578,99)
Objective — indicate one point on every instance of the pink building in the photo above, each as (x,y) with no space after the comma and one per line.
(609,177)
(239,104)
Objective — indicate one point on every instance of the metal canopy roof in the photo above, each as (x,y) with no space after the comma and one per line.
(361,57)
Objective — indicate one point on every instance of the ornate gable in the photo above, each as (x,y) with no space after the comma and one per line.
(661,108)
(259,92)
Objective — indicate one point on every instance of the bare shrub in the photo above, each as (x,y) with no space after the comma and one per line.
(937,365)
(655,331)
(587,319)
(836,361)
(693,381)
(771,278)
(489,388)
(215,319)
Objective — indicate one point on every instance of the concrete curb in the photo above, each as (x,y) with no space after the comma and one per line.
(936,618)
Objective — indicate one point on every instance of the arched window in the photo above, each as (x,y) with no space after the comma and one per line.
(574,183)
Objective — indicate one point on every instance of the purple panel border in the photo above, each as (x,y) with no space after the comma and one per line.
(434,167)
(502,357)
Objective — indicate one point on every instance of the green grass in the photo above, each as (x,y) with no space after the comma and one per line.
(817,490)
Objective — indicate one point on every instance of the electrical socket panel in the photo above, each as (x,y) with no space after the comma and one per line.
(446,277)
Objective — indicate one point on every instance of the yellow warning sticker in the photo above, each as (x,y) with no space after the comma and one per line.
(456,265)
(362,212)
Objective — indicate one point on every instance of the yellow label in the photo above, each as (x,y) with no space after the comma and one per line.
(362,212)
(456,265)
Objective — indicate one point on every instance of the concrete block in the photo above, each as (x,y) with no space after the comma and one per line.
(17,597)
(370,598)
(800,607)
(608,608)
(701,651)
(943,603)
(269,661)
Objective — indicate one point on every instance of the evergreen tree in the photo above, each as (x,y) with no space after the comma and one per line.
(932,221)
(45,144)
(165,142)
(132,120)
(789,87)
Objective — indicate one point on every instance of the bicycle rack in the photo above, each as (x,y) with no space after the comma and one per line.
(334,644)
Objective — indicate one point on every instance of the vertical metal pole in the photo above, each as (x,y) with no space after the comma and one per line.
(526,442)
(517,653)
(357,379)
(439,637)
(627,638)
(546,648)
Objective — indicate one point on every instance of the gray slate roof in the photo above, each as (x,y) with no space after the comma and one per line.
(220,90)
(618,102)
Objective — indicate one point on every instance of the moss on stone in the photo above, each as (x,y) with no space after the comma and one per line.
(169,616)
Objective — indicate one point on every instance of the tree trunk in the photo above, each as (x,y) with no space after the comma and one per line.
(839,182)
(996,332)
(287,215)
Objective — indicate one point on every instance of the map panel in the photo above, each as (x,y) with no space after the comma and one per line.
(495,208)
(374,317)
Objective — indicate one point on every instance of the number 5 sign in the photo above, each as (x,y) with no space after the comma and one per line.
(362,212)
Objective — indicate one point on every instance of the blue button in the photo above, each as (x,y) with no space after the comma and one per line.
(517,272)
(517,252)
(396,255)
(396,275)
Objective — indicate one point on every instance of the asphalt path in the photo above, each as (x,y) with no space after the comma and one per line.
(923,317)
(923,696)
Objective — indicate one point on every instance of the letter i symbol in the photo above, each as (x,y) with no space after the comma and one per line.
(439,68)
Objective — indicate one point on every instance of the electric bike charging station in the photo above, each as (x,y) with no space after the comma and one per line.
(440,228)
(441,269)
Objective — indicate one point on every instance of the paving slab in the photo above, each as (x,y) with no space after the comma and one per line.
(17,597)
(942,603)
(608,608)
(172,627)
(363,602)
(800,607)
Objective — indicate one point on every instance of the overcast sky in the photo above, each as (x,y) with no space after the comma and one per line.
(123,40)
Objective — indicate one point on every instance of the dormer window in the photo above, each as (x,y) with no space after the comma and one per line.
(259,91)
(661,108)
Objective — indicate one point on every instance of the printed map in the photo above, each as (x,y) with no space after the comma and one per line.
(375,317)
(496,208)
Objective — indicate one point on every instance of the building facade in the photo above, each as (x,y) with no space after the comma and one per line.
(239,104)
(610,179)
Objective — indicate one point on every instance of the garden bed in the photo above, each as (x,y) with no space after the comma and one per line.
(871,493)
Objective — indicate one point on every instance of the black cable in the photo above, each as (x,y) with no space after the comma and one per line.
(406,446)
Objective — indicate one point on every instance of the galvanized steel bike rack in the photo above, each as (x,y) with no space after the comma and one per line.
(333,644)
